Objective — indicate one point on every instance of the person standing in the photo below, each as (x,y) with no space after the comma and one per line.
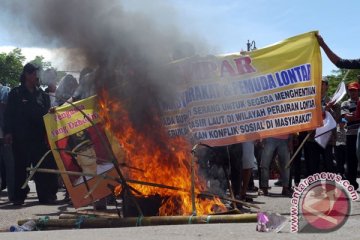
(49,79)
(25,130)
(66,89)
(348,109)
(4,91)
(340,148)
(247,165)
(281,144)
(317,152)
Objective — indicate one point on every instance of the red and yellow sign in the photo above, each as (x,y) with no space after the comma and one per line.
(80,144)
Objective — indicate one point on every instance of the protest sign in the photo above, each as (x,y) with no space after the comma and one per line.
(238,97)
(80,146)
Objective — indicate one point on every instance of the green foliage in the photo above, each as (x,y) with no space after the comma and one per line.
(11,67)
(60,75)
(338,75)
(39,61)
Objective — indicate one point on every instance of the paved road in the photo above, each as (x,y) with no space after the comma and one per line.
(10,215)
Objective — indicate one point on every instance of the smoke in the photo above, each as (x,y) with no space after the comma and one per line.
(127,48)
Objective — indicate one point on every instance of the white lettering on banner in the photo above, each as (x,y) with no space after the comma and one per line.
(201,135)
(256,113)
(223,132)
(259,100)
(253,127)
(178,132)
(294,93)
(292,120)
(252,114)
(239,87)
(223,99)
(291,107)
(197,123)
(233,105)
(206,109)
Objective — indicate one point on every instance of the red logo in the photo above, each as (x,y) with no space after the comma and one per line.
(325,207)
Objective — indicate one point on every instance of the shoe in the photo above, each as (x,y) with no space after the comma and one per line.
(247,199)
(278,183)
(18,202)
(50,201)
(253,189)
(100,205)
(287,192)
(67,197)
(263,192)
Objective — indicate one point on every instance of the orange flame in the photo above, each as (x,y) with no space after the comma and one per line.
(168,165)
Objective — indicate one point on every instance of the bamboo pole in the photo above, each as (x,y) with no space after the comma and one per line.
(228,177)
(77,215)
(141,221)
(36,167)
(108,213)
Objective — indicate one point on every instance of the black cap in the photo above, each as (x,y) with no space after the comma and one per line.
(30,68)
(79,141)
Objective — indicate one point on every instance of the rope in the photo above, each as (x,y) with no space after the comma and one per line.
(208,219)
(41,223)
(79,221)
(190,219)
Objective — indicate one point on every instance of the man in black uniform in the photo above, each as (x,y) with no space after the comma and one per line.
(25,130)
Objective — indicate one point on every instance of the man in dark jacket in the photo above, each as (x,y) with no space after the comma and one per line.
(347,111)
(25,130)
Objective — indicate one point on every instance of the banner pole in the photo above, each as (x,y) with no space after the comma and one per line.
(298,149)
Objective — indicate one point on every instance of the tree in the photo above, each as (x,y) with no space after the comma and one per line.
(11,67)
(339,75)
(39,61)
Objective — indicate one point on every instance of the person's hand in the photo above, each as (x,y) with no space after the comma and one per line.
(329,105)
(8,139)
(52,110)
(320,39)
(259,143)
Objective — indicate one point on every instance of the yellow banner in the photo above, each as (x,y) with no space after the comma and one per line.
(238,97)
(80,144)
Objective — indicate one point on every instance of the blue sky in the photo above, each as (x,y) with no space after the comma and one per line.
(228,24)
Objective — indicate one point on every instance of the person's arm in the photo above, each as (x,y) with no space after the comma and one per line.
(357,111)
(9,116)
(344,112)
(335,59)
(329,53)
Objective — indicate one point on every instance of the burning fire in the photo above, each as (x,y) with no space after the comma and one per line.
(164,161)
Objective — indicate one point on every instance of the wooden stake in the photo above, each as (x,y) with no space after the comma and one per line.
(298,150)
(143,183)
